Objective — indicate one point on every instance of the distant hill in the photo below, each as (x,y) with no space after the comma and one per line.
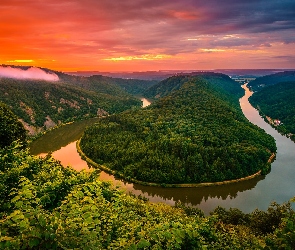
(163,74)
(98,83)
(194,133)
(278,103)
(109,85)
(131,86)
(272,79)
(221,81)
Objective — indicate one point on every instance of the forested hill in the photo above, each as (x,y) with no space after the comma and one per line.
(191,135)
(42,104)
(45,104)
(221,81)
(268,80)
(109,85)
(278,103)
(98,83)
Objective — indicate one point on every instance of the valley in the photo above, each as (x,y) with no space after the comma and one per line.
(45,203)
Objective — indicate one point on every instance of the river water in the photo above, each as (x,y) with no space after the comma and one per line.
(278,185)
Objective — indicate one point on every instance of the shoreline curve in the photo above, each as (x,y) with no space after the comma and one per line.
(186,185)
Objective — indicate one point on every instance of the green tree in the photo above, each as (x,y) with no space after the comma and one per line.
(10,128)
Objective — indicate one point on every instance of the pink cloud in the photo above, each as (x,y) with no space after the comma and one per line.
(30,73)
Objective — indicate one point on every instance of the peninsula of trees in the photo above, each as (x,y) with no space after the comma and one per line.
(277,104)
(195,132)
(272,79)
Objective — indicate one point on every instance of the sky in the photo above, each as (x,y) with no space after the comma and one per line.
(146,35)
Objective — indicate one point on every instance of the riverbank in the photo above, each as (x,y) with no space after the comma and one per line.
(183,185)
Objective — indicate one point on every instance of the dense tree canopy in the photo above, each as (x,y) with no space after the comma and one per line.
(34,101)
(220,81)
(10,128)
(268,80)
(278,102)
(194,134)
(44,205)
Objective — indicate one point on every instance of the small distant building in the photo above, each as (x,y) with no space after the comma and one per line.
(242,79)
(277,122)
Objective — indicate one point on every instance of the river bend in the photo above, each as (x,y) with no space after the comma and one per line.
(278,185)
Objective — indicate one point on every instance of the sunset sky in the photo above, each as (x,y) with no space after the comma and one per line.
(141,35)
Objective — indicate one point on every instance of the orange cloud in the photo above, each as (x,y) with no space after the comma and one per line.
(184,15)
(142,57)
(21,61)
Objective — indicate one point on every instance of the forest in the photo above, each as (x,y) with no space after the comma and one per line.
(277,102)
(221,81)
(272,79)
(36,102)
(196,133)
(44,205)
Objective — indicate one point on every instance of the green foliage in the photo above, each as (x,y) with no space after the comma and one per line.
(16,164)
(34,101)
(284,236)
(10,128)
(131,86)
(268,80)
(47,206)
(278,102)
(220,81)
(260,222)
(195,134)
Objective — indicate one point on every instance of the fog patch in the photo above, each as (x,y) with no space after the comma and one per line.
(32,73)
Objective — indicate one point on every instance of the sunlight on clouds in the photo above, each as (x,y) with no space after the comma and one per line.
(213,50)
(142,57)
(20,61)
(229,37)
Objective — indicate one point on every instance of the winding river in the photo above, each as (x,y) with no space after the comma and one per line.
(278,185)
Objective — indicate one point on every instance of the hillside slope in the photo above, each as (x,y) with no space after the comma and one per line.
(220,81)
(43,104)
(268,80)
(108,85)
(277,102)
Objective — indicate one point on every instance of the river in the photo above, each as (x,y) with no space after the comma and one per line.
(278,185)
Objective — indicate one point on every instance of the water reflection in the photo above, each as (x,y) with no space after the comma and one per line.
(61,137)
(194,196)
